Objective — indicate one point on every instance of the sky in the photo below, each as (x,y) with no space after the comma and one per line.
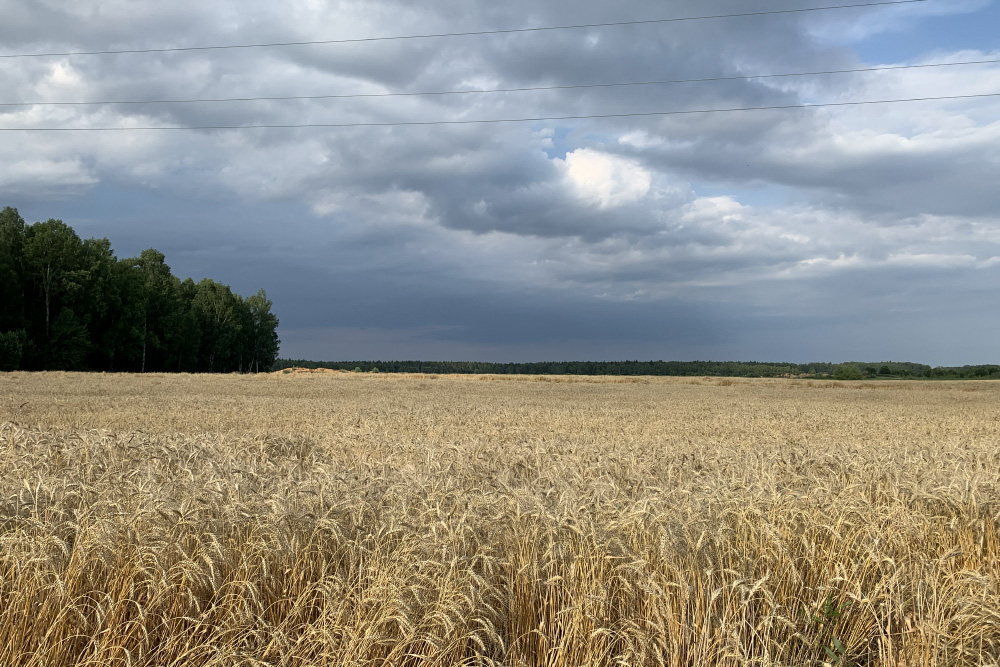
(826,233)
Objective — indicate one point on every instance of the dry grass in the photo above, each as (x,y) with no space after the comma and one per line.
(342,519)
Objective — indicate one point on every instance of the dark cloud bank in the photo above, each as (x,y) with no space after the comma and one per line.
(807,234)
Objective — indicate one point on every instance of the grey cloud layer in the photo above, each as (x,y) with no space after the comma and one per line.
(528,223)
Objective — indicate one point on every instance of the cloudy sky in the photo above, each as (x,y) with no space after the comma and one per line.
(800,234)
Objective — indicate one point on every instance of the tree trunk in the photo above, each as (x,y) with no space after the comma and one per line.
(47,286)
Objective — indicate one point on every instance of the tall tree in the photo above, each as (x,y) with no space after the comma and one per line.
(263,332)
(51,255)
(123,336)
(98,303)
(158,302)
(11,270)
(54,275)
(187,343)
(216,308)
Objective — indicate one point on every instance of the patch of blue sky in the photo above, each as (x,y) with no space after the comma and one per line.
(763,196)
(561,141)
(568,136)
(943,26)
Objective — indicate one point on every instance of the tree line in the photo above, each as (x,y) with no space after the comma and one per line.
(634,367)
(747,369)
(891,369)
(68,303)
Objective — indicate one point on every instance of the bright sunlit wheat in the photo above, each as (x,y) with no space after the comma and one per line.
(350,519)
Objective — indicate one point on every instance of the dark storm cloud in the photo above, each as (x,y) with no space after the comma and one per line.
(523,239)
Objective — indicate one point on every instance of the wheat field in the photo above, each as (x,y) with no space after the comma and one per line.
(358,519)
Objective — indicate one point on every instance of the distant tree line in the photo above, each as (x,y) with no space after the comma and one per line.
(70,304)
(635,367)
(892,369)
(747,369)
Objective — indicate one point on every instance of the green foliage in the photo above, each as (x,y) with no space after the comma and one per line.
(68,343)
(823,623)
(263,341)
(52,268)
(11,270)
(215,307)
(747,369)
(847,372)
(677,368)
(11,349)
(69,304)
(836,652)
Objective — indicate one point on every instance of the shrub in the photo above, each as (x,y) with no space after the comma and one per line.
(847,372)
(11,349)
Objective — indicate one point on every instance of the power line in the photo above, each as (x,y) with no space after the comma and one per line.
(500,90)
(496,120)
(461,34)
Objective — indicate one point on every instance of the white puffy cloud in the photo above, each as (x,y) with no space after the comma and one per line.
(604,180)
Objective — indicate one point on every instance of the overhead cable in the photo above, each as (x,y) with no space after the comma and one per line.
(275,98)
(495,120)
(471,33)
